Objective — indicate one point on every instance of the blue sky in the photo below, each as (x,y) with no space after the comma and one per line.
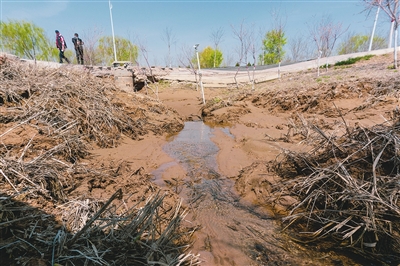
(189,22)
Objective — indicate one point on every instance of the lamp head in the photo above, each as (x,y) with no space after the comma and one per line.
(195,46)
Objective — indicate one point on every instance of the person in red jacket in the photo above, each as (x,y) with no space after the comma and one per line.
(61,45)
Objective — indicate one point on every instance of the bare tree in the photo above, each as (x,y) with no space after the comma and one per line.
(216,37)
(252,41)
(241,33)
(131,39)
(185,57)
(144,53)
(170,39)
(371,39)
(391,8)
(299,49)
(325,33)
(229,58)
(279,26)
(91,38)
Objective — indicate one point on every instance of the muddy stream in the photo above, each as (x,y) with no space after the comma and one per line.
(232,232)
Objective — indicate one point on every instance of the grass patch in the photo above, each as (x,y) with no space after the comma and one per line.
(342,67)
(216,100)
(164,82)
(353,60)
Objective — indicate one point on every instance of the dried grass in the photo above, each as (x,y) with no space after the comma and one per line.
(49,120)
(149,235)
(65,102)
(348,191)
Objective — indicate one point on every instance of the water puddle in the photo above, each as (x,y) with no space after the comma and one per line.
(231,233)
(193,149)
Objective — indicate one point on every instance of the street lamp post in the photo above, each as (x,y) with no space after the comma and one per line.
(199,72)
(112,30)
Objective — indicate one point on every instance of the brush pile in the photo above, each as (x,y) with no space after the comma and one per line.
(149,235)
(49,121)
(348,191)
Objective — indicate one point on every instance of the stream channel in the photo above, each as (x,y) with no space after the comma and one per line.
(232,232)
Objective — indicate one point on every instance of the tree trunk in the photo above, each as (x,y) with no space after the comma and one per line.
(373,29)
(391,35)
(395,46)
(215,55)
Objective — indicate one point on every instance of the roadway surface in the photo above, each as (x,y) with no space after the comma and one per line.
(223,77)
(218,77)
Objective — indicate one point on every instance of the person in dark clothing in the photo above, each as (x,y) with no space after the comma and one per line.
(61,45)
(78,48)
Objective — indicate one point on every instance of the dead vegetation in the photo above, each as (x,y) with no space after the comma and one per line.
(368,83)
(348,191)
(147,235)
(61,101)
(49,121)
(342,194)
(315,99)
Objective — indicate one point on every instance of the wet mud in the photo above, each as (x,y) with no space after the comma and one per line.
(225,199)
(231,230)
(230,233)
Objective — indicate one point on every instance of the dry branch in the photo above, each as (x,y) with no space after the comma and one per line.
(141,236)
(58,115)
(348,192)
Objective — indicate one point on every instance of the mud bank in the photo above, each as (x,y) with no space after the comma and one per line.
(99,141)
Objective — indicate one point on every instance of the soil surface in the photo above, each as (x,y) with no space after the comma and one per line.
(262,124)
(252,128)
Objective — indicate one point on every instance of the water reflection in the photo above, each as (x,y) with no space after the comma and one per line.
(194,150)
(224,238)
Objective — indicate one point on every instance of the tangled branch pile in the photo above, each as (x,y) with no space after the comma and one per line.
(140,236)
(61,101)
(49,121)
(368,85)
(348,191)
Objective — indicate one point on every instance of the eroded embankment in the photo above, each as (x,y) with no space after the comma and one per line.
(58,204)
(333,183)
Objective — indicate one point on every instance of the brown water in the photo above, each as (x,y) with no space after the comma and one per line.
(232,232)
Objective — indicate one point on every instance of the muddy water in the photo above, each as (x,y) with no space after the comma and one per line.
(232,231)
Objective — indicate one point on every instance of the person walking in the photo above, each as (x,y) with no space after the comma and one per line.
(61,45)
(78,43)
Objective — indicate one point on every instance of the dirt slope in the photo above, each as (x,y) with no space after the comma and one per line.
(87,140)
(293,114)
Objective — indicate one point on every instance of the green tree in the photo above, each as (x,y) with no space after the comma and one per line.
(208,57)
(360,43)
(272,47)
(25,39)
(126,51)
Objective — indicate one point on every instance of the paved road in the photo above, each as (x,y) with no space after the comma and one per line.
(223,78)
